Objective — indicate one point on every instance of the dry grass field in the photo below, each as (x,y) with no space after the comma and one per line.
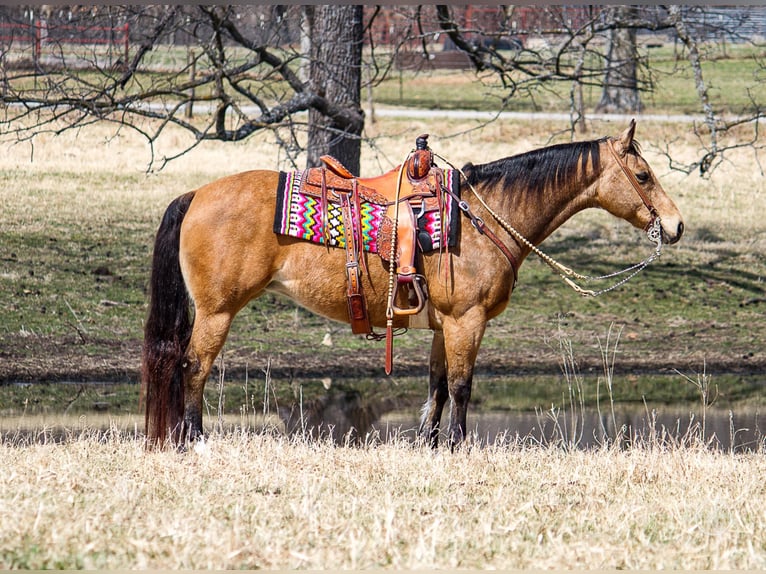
(99,500)
(264,501)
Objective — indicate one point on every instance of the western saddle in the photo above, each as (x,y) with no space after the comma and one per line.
(416,184)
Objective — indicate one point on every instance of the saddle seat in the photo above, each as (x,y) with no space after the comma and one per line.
(400,201)
(381,189)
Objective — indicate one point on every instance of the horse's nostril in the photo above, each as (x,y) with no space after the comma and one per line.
(680,229)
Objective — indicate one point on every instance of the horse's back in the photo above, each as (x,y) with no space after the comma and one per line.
(229,254)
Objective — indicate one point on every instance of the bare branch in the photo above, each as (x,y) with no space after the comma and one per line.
(146,46)
(677,20)
(240,69)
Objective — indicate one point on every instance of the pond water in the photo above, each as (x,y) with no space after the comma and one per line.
(345,418)
(720,429)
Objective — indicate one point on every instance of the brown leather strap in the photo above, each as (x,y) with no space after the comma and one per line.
(389,364)
(634,182)
(482,228)
(325,210)
(357,303)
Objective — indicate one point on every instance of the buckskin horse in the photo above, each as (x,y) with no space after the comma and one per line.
(216,250)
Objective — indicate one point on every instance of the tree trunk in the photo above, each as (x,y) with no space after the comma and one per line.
(336,71)
(620,93)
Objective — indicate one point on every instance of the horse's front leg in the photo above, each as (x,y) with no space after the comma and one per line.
(437,392)
(462,338)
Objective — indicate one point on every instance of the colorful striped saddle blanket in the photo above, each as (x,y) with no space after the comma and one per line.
(300,215)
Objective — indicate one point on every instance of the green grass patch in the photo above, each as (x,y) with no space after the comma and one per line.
(731,78)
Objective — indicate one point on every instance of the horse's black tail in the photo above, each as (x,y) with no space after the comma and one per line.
(167,331)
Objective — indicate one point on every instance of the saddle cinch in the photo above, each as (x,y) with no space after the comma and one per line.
(415,185)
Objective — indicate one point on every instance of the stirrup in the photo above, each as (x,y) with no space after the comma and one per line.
(416,282)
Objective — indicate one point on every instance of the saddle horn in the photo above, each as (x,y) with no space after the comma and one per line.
(421,160)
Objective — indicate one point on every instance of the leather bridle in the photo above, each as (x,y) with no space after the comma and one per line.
(636,185)
(653,231)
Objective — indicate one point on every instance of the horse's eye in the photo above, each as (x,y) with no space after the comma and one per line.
(642,176)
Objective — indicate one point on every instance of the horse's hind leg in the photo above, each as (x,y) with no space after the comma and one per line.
(437,392)
(207,339)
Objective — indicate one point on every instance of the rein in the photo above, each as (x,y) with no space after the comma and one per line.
(653,231)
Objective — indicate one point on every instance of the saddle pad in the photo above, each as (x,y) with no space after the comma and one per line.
(300,215)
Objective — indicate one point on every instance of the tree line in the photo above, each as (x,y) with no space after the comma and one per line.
(300,71)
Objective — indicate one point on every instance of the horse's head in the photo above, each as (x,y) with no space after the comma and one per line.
(629,189)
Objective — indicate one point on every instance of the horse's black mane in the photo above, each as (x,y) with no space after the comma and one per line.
(539,169)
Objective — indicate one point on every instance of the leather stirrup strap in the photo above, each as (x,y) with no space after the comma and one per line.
(357,303)
(357,205)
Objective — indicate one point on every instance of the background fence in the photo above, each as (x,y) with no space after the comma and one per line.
(39,41)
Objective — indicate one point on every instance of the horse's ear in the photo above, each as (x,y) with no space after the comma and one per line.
(625,139)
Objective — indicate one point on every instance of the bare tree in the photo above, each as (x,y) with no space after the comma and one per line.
(239,65)
(335,77)
(570,52)
(297,71)
(620,93)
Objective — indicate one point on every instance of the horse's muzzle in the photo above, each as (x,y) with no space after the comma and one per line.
(670,236)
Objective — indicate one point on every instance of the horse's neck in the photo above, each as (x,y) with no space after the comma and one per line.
(536,216)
